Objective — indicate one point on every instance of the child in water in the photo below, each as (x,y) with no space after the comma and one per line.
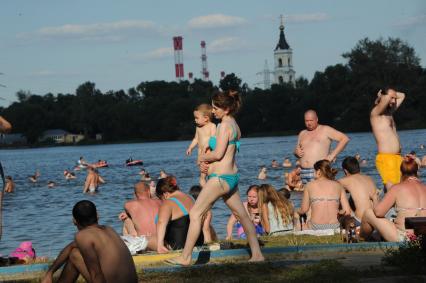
(204,130)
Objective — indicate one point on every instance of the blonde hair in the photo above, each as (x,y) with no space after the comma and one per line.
(267,193)
(205,109)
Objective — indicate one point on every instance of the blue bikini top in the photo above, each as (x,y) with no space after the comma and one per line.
(235,141)
(181,206)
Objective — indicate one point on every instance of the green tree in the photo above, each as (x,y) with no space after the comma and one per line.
(230,82)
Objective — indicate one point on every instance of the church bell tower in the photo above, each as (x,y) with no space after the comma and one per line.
(283,58)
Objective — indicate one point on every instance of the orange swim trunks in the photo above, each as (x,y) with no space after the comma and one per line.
(388,165)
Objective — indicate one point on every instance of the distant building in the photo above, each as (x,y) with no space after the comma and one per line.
(60,136)
(13,139)
(283,58)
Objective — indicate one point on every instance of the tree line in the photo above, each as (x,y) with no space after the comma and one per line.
(342,94)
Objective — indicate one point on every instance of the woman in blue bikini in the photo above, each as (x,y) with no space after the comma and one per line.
(223,177)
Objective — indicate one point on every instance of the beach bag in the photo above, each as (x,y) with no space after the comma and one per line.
(25,251)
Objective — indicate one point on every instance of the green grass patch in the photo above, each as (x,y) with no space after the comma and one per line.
(323,271)
(291,240)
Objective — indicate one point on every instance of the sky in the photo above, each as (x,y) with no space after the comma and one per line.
(56,45)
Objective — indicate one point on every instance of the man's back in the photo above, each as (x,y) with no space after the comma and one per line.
(143,212)
(102,244)
(363,191)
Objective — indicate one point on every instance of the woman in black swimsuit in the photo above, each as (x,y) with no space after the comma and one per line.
(173,217)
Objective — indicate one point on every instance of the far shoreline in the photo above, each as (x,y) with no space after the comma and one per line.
(183,138)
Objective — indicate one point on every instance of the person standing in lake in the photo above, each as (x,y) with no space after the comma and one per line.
(223,177)
(388,159)
(314,144)
(93,180)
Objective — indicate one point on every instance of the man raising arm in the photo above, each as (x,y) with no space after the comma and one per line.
(388,159)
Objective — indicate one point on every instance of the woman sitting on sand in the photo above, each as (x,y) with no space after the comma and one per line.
(409,199)
(323,196)
(253,211)
(276,211)
(173,217)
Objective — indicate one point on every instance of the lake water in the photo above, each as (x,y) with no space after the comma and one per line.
(41,215)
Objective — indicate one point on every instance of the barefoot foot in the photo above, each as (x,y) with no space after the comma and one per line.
(259,258)
(178,261)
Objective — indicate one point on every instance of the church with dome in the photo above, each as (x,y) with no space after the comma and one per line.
(283,60)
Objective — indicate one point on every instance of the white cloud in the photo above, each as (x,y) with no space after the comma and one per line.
(301,18)
(112,31)
(215,21)
(411,21)
(156,54)
(225,44)
(159,53)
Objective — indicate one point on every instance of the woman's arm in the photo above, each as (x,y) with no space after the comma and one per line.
(265,218)
(222,139)
(304,207)
(387,202)
(164,216)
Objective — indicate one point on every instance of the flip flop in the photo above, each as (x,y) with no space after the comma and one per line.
(173,262)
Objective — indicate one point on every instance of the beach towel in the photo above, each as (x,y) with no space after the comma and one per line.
(135,244)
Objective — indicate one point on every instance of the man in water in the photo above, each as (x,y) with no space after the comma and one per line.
(361,187)
(388,159)
(314,144)
(139,216)
(97,252)
(10,185)
(93,180)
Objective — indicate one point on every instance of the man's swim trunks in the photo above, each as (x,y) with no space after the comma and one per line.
(307,175)
(388,165)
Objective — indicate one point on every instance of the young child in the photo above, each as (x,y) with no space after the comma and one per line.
(205,129)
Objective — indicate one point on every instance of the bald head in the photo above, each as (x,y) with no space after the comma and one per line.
(311,120)
(142,190)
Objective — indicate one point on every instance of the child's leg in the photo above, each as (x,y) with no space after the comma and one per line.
(202,180)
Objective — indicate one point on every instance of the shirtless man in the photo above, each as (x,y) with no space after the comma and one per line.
(361,187)
(10,185)
(5,126)
(139,216)
(388,159)
(314,144)
(424,161)
(293,180)
(93,180)
(97,252)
